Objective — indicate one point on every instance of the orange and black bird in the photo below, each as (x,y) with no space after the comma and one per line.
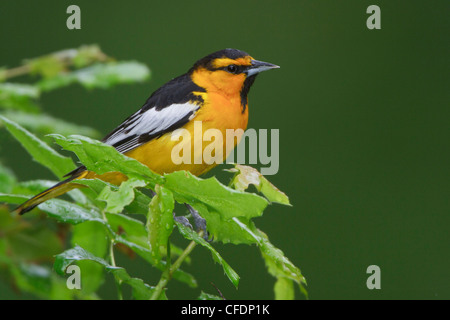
(214,91)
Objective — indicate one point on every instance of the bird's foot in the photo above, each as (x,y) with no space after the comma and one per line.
(199,222)
(183,220)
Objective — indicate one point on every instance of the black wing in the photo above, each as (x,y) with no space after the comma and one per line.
(167,109)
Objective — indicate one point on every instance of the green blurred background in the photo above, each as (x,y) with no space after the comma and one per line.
(363,118)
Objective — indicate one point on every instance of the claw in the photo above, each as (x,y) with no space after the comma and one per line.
(208,239)
(200,223)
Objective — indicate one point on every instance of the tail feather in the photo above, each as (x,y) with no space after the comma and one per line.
(55,191)
(66,185)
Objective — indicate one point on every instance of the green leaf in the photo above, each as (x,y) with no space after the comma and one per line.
(19,96)
(46,66)
(7,179)
(223,229)
(217,204)
(123,196)
(33,278)
(87,55)
(95,187)
(19,89)
(278,264)
(66,258)
(133,234)
(247,175)
(39,150)
(103,76)
(102,158)
(40,281)
(207,296)
(68,212)
(226,201)
(29,240)
(93,237)
(110,74)
(56,82)
(46,124)
(160,221)
(284,289)
(140,289)
(139,205)
(192,235)
(13,198)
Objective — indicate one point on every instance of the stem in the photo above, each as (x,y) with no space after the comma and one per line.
(111,253)
(66,57)
(168,273)
(113,262)
(15,72)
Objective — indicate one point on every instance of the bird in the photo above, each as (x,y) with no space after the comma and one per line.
(214,92)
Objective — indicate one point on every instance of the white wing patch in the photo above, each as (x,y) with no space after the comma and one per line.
(149,122)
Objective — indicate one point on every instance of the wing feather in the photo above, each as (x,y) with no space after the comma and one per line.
(150,124)
(168,108)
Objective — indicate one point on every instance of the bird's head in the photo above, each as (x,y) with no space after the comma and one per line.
(229,72)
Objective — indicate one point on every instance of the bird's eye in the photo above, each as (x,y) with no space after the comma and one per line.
(232,68)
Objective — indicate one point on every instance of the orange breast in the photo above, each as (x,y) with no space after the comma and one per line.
(218,112)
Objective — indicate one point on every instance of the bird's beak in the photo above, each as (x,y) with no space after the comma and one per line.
(259,66)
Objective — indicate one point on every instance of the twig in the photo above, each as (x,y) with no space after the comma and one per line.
(168,273)
(220,293)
